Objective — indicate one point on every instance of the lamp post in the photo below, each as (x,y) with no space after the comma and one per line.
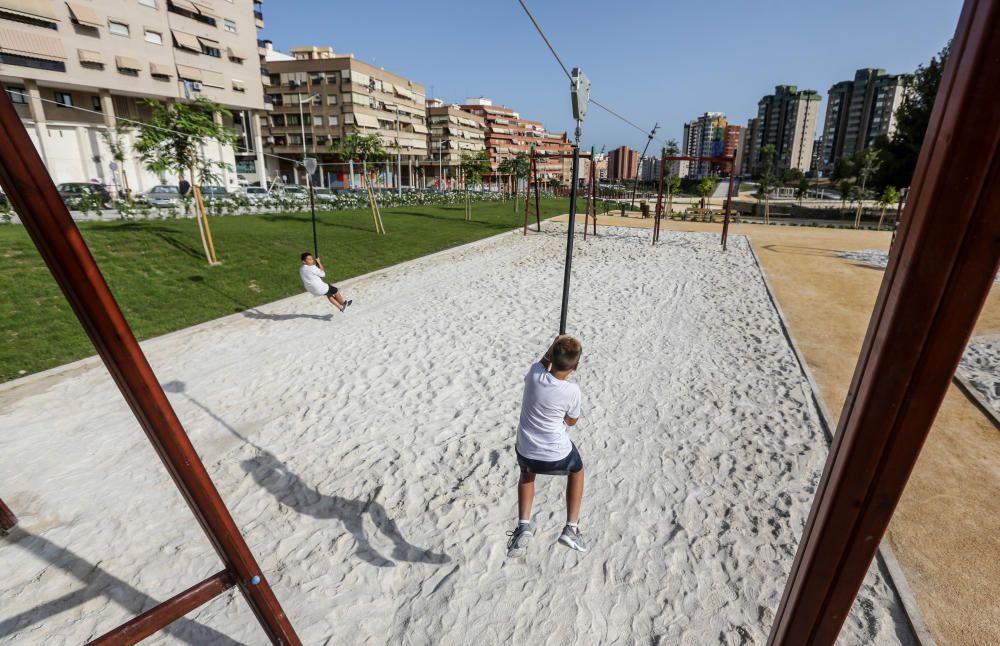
(302,124)
(310,165)
(399,165)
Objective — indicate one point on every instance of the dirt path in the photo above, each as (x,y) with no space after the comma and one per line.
(946,530)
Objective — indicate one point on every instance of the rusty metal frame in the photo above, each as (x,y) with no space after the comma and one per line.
(33,195)
(940,272)
(7,518)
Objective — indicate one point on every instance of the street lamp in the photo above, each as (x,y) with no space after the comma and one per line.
(302,123)
(310,165)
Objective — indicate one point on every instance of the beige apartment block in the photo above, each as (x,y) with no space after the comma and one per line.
(72,68)
(318,97)
(453,133)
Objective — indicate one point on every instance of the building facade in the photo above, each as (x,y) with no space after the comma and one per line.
(787,121)
(705,137)
(453,132)
(860,111)
(319,97)
(508,135)
(73,69)
(623,164)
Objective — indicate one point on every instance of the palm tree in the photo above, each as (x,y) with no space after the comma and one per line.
(889,197)
(364,147)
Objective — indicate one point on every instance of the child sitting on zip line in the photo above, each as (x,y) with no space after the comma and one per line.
(312,275)
(550,405)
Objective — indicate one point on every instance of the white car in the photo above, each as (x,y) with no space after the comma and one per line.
(255,193)
(163,195)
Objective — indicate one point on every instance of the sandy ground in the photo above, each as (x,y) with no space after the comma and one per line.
(946,529)
(980,370)
(878,258)
(368,459)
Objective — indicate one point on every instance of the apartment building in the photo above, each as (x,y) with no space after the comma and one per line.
(860,111)
(507,135)
(705,137)
(601,167)
(318,97)
(732,144)
(623,164)
(649,169)
(73,68)
(786,120)
(453,132)
(749,145)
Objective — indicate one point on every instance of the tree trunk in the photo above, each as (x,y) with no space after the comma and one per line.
(881,218)
(201,225)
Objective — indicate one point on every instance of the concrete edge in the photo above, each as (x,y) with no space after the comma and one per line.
(89,362)
(972,392)
(885,556)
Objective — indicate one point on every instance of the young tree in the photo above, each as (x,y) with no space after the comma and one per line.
(705,188)
(114,139)
(844,187)
(474,166)
(365,148)
(889,197)
(171,142)
(802,189)
(767,180)
(517,168)
(792,176)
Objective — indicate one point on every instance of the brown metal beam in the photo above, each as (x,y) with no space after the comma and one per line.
(26,181)
(940,273)
(157,617)
(7,517)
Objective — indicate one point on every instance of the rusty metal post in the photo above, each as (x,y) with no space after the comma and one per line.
(527,189)
(939,275)
(538,195)
(34,197)
(659,198)
(7,518)
(729,201)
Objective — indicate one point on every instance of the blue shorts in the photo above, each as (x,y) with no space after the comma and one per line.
(572,463)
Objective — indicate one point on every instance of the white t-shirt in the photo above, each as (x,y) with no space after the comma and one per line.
(312,278)
(541,433)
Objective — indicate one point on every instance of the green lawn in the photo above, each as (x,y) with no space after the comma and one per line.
(159,276)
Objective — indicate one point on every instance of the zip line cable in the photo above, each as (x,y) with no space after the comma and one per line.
(570,77)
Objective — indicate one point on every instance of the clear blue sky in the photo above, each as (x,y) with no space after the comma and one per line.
(651,60)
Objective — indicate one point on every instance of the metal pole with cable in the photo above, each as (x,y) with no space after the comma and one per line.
(579,93)
(650,137)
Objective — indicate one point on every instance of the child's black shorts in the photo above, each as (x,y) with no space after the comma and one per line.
(572,463)
(331,291)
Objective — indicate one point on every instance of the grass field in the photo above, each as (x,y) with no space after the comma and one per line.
(159,276)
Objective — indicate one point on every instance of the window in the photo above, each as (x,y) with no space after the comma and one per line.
(331,99)
(295,140)
(208,20)
(208,50)
(318,120)
(35,63)
(64,99)
(154,37)
(28,20)
(317,100)
(118,28)
(17,95)
(148,3)
(230,25)
(278,120)
(246,165)
(95,103)
(333,121)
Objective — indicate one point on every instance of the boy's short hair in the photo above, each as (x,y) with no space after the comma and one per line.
(305,254)
(566,353)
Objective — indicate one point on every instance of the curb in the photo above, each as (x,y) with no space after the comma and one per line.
(885,557)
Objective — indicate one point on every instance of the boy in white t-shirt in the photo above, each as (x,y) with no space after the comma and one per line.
(550,404)
(312,275)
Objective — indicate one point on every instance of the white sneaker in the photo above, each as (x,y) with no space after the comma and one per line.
(573,539)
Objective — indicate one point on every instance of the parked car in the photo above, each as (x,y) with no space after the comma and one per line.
(162,195)
(255,193)
(214,192)
(296,191)
(80,190)
(324,194)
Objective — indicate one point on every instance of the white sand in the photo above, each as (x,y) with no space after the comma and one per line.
(876,258)
(980,369)
(379,501)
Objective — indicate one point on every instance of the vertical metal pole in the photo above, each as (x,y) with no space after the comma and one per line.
(312,207)
(527,189)
(729,201)
(659,199)
(28,185)
(939,276)
(399,163)
(569,236)
(538,195)
(635,187)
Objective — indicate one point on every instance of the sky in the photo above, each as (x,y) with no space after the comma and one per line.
(652,61)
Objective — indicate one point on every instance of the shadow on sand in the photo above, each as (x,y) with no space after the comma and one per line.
(96,583)
(261,316)
(288,489)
